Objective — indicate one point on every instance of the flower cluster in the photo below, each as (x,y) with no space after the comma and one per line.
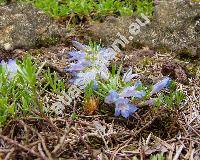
(122,105)
(121,101)
(10,67)
(89,64)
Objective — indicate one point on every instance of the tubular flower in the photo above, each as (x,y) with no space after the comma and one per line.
(81,46)
(84,78)
(76,55)
(132,91)
(128,76)
(112,97)
(123,107)
(89,62)
(161,85)
(95,59)
(10,67)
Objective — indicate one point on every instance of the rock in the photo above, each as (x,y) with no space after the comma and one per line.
(174,27)
(23,26)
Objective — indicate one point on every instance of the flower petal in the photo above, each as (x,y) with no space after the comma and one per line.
(81,46)
(104,73)
(79,66)
(138,94)
(137,84)
(83,79)
(75,67)
(121,101)
(76,55)
(12,66)
(107,53)
(160,85)
(126,109)
(117,111)
(150,102)
(95,85)
(125,113)
(132,108)
(112,97)
(127,92)
(128,75)
(130,91)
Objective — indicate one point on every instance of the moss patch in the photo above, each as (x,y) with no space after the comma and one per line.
(47,41)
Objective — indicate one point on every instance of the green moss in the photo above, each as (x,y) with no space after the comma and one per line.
(162,48)
(147,61)
(185,54)
(37,52)
(193,69)
(47,41)
(2,2)
(138,45)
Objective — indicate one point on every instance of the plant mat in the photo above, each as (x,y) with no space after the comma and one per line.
(173,132)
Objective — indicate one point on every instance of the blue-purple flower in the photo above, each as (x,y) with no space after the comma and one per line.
(122,105)
(128,76)
(88,62)
(112,97)
(107,54)
(95,85)
(151,101)
(82,79)
(79,66)
(132,91)
(86,57)
(76,55)
(124,108)
(103,72)
(161,85)
(10,67)
(81,46)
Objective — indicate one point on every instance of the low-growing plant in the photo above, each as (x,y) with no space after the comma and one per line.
(20,87)
(157,157)
(57,85)
(145,7)
(153,157)
(90,66)
(17,87)
(170,100)
(95,8)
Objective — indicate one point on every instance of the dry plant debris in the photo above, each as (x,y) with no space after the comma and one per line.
(175,133)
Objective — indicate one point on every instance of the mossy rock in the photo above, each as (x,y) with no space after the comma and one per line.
(23,26)
(173,28)
(47,41)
